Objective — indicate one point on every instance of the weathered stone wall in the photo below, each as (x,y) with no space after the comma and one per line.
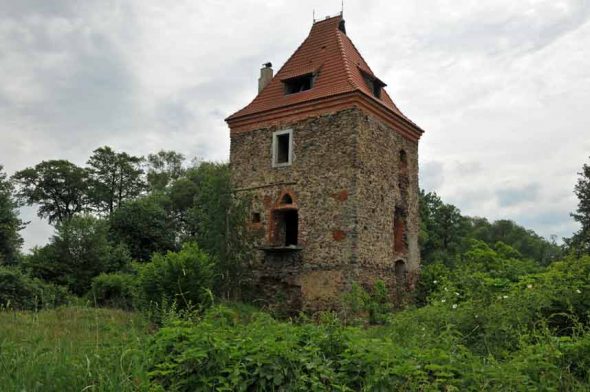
(382,188)
(343,180)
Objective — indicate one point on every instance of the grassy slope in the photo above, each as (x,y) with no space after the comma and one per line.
(72,349)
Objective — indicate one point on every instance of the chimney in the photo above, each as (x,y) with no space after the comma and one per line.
(266,74)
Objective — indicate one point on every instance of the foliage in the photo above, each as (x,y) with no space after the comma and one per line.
(580,242)
(528,243)
(207,213)
(59,187)
(374,304)
(515,331)
(184,278)
(164,167)
(445,234)
(443,229)
(144,226)
(114,290)
(115,177)
(18,291)
(79,251)
(73,349)
(10,223)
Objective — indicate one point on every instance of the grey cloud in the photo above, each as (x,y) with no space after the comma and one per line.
(431,175)
(512,196)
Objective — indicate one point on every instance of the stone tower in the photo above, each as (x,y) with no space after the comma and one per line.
(331,166)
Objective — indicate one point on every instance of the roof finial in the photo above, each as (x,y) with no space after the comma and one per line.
(313,15)
(342,9)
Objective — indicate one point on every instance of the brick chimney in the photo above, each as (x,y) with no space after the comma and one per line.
(266,74)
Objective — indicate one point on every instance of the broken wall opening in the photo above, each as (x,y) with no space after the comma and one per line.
(286,227)
(399,230)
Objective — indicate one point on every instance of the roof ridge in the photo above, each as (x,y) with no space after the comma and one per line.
(343,57)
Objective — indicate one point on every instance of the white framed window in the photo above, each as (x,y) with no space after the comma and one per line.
(282,148)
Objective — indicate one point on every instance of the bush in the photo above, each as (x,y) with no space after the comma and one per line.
(79,251)
(115,290)
(183,278)
(19,291)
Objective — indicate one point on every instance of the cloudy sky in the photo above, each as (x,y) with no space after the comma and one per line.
(502,87)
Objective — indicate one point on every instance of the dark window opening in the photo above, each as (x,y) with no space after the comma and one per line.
(286,227)
(400,272)
(283,148)
(298,84)
(256,217)
(287,199)
(374,84)
(399,231)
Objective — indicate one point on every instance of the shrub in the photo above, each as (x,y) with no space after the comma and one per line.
(79,251)
(19,291)
(184,278)
(115,290)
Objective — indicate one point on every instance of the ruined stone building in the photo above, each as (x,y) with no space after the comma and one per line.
(331,166)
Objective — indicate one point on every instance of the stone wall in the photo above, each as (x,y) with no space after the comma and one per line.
(344,185)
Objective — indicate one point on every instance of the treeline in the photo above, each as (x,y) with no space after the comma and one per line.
(114,214)
(446,235)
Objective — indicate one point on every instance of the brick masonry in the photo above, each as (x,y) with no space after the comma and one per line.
(346,180)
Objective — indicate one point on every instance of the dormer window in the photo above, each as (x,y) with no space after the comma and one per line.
(373,83)
(298,84)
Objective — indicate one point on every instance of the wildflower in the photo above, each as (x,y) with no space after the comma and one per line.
(446,289)
(476,316)
(457,294)
(454,306)
(443,300)
(529,286)
(435,282)
(505,296)
(578,291)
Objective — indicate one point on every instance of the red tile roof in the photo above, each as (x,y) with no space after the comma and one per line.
(337,64)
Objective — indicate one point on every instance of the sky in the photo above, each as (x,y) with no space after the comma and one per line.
(501,87)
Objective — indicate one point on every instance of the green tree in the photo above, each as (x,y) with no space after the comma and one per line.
(206,212)
(10,224)
(163,168)
(527,242)
(443,229)
(115,177)
(79,251)
(59,187)
(580,242)
(145,225)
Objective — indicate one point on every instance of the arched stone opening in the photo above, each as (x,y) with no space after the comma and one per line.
(285,222)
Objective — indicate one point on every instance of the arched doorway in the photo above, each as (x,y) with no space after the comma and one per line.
(285,222)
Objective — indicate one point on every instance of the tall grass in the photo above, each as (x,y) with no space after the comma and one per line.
(72,349)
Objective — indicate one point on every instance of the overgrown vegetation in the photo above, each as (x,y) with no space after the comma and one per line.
(497,307)
(73,349)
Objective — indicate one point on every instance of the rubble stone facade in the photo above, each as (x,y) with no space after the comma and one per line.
(345,182)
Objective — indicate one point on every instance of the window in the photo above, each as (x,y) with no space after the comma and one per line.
(374,84)
(282,148)
(256,217)
(298,84)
